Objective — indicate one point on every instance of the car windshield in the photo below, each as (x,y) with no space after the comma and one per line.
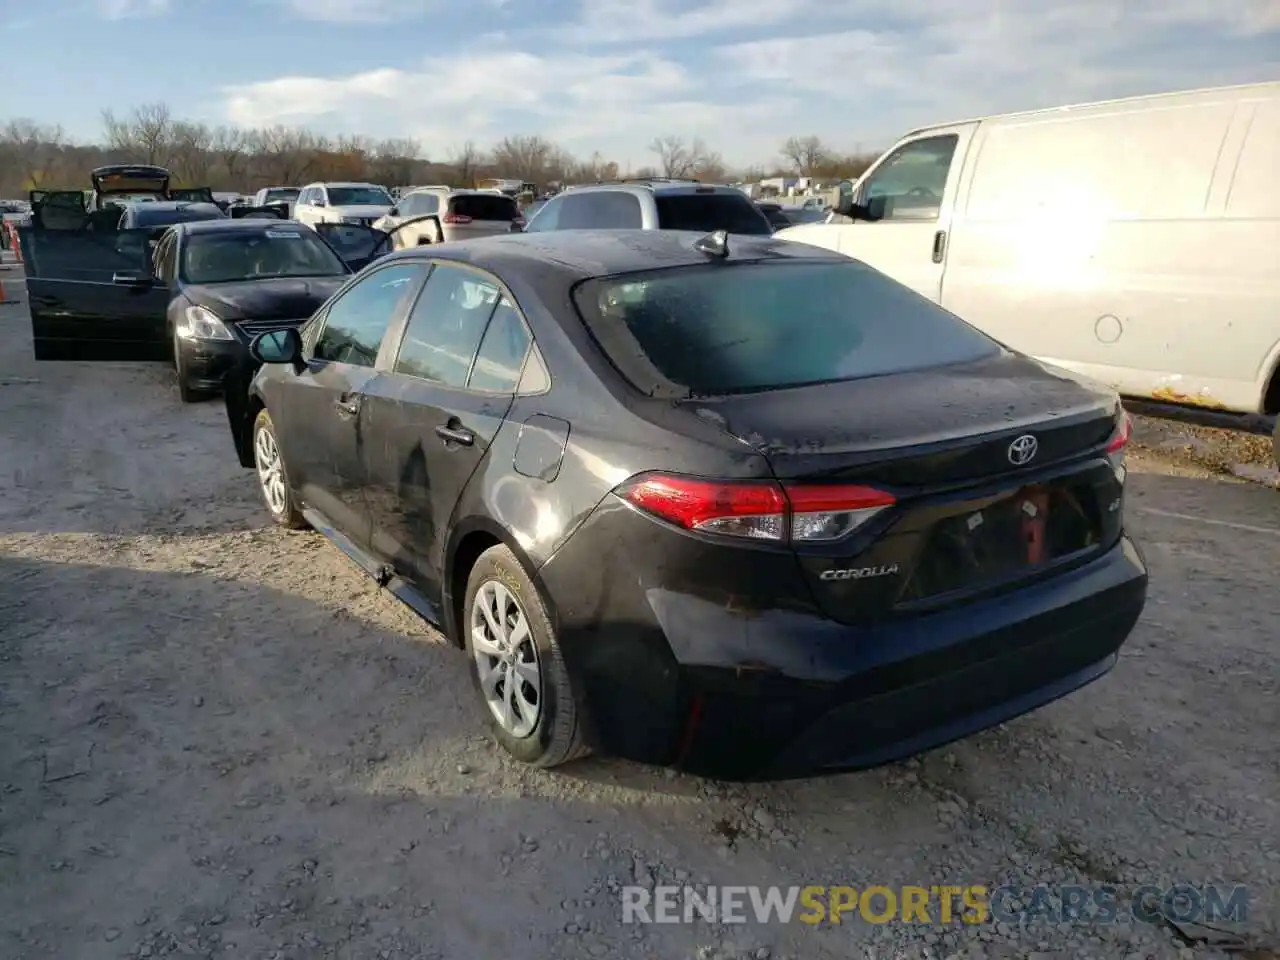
(358,196)
(152,215)
(232,255)
(741,327)
(706,212)
(276,196)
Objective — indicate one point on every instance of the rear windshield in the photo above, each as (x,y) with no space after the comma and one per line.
(482,206)
(145,215)
(740,327)
(358,197)
(249,255)
(276,196)
(706,212)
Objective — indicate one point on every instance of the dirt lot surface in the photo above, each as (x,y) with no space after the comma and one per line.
(218,739)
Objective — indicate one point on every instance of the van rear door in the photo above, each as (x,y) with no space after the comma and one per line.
(911,194)
(92,295)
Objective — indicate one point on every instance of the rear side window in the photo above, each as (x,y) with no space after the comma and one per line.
(734,328)
(446,325)
(502,352)
(597,210)
(706,212)
(484,207)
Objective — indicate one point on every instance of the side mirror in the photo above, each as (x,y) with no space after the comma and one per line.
(278,346)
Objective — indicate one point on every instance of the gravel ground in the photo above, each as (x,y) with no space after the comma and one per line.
(219,739)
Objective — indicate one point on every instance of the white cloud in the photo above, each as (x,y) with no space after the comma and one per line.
(357,11)
(130,9)
(623,21)
(935,60)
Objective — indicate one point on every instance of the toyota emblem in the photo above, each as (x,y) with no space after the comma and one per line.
(1023,450)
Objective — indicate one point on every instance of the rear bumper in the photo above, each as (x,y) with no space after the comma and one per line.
(784,694)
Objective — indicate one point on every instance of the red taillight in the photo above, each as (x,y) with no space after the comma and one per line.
(1120,439)
(518,221)
(456,218)
(756,510)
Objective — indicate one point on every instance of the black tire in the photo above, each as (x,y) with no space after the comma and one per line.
(287,516)
(559,734)
(186,393)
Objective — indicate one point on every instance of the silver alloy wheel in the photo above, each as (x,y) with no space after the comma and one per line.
(506,659)
(270,475)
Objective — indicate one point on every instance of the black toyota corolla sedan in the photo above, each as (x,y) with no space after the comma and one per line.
(731,504)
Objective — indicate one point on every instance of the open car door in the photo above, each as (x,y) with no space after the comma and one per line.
(58,209)
(356,244)
(92,294)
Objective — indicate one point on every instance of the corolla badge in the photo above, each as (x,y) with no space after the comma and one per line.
(1023,450)
(859,573)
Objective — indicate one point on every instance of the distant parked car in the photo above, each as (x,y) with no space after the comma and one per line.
(439,214)
(654,204)
(359,203)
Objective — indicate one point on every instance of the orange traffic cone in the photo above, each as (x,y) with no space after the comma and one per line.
(4,299)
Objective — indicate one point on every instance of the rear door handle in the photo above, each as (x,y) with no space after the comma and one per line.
(939,246)
(455,432)
(348,405)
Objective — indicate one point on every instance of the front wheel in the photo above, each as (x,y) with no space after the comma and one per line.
(273,480)
(517,665)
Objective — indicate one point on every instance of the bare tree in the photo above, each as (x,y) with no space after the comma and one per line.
(805,154)
(229,146)
(151,129)
(191,152)
(465,160)
(33,150)
(529,158)
(680,161)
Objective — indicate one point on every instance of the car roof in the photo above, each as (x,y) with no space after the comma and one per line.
(237,225)
(159,205)
(344,183)
(658,186)
(576,255)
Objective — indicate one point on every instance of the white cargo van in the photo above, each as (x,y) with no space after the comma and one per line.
(1135,241)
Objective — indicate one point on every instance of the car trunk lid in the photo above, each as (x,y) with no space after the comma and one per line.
(961,502)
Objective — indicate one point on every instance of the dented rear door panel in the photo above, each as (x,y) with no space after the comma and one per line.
(92,295)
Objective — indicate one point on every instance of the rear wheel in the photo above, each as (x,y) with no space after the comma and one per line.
(517,665)
(273,480)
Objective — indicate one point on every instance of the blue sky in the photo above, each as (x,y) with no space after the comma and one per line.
(610,75)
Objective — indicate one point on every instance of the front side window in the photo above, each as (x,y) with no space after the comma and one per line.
(735,328)
(359,196)
(355,324)
(910,183)
(282,251)
(446,325)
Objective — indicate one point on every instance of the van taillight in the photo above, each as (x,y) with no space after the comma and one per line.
(756,510)
(456,218)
